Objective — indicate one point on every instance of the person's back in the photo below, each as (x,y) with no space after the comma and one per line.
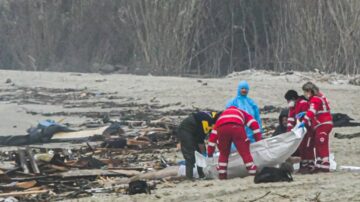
(229,128)
(243,102)
(192,132)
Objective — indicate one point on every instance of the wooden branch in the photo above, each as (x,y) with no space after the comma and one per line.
(23,161)
(167,172)
(34,166)
(22,193)
(261,197)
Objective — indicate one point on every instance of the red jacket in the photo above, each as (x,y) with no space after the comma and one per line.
(301,105)
(235,116)
(319,112)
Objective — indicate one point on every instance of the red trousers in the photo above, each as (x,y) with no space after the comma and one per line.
(321,143)
(318,139)
(233,133)
(306,148)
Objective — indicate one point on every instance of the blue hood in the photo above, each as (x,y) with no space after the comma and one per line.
(247,104)
(242,84)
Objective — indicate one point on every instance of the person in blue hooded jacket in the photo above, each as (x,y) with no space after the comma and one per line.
(242,101)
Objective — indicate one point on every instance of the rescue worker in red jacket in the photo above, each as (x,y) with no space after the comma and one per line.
(319,119)
(298,104)
(230,127)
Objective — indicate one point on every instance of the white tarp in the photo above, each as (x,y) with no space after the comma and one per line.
(267,152)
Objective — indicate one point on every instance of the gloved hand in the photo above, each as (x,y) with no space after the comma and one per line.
(300,115)
(301,125)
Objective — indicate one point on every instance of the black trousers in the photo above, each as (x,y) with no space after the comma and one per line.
(189,144)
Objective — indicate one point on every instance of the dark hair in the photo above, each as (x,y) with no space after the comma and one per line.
(217,115)
(291,95)
(309,86)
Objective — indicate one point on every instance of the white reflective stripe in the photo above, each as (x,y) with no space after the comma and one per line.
(256,131)
(312,110)
(291,119)
(249,164)
(250,122)
(222,164)
(325,159)
(236,110)
(303,101)
(325,123)
(222,171)
(242,114)
(251,171)
(322,98)
(212,144)
(323,166)
(290,125)
(308,143)
(231,116)
(214,132)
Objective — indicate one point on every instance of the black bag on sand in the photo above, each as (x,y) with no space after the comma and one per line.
(269,174)
(138,187)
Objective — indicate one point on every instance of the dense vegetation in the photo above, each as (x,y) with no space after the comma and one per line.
(180,37)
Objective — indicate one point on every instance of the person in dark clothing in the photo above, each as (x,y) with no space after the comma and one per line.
(192,133)
(283,119)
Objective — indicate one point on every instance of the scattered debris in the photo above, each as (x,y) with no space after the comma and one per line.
(138,187)
(350,168)
(346,136)
(317,197)
(343,120)
(355,81)
(261,197)
(119,150)
(270,109)
(100,80)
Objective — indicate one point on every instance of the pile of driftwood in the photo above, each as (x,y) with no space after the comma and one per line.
(116,164)
(34,174)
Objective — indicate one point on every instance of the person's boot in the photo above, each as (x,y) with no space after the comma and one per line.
(189,171)
(303,167)
(322,166)
(200,172)
(222,176)
(307,167)
(252,169)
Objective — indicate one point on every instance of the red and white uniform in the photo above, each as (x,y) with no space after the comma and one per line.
(318,118)
(230,127)
(301,105)
(319,112)
(306,148)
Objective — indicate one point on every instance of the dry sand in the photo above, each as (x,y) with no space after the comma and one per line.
(266,89)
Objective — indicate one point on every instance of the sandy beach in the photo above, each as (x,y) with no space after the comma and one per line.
(186,93)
